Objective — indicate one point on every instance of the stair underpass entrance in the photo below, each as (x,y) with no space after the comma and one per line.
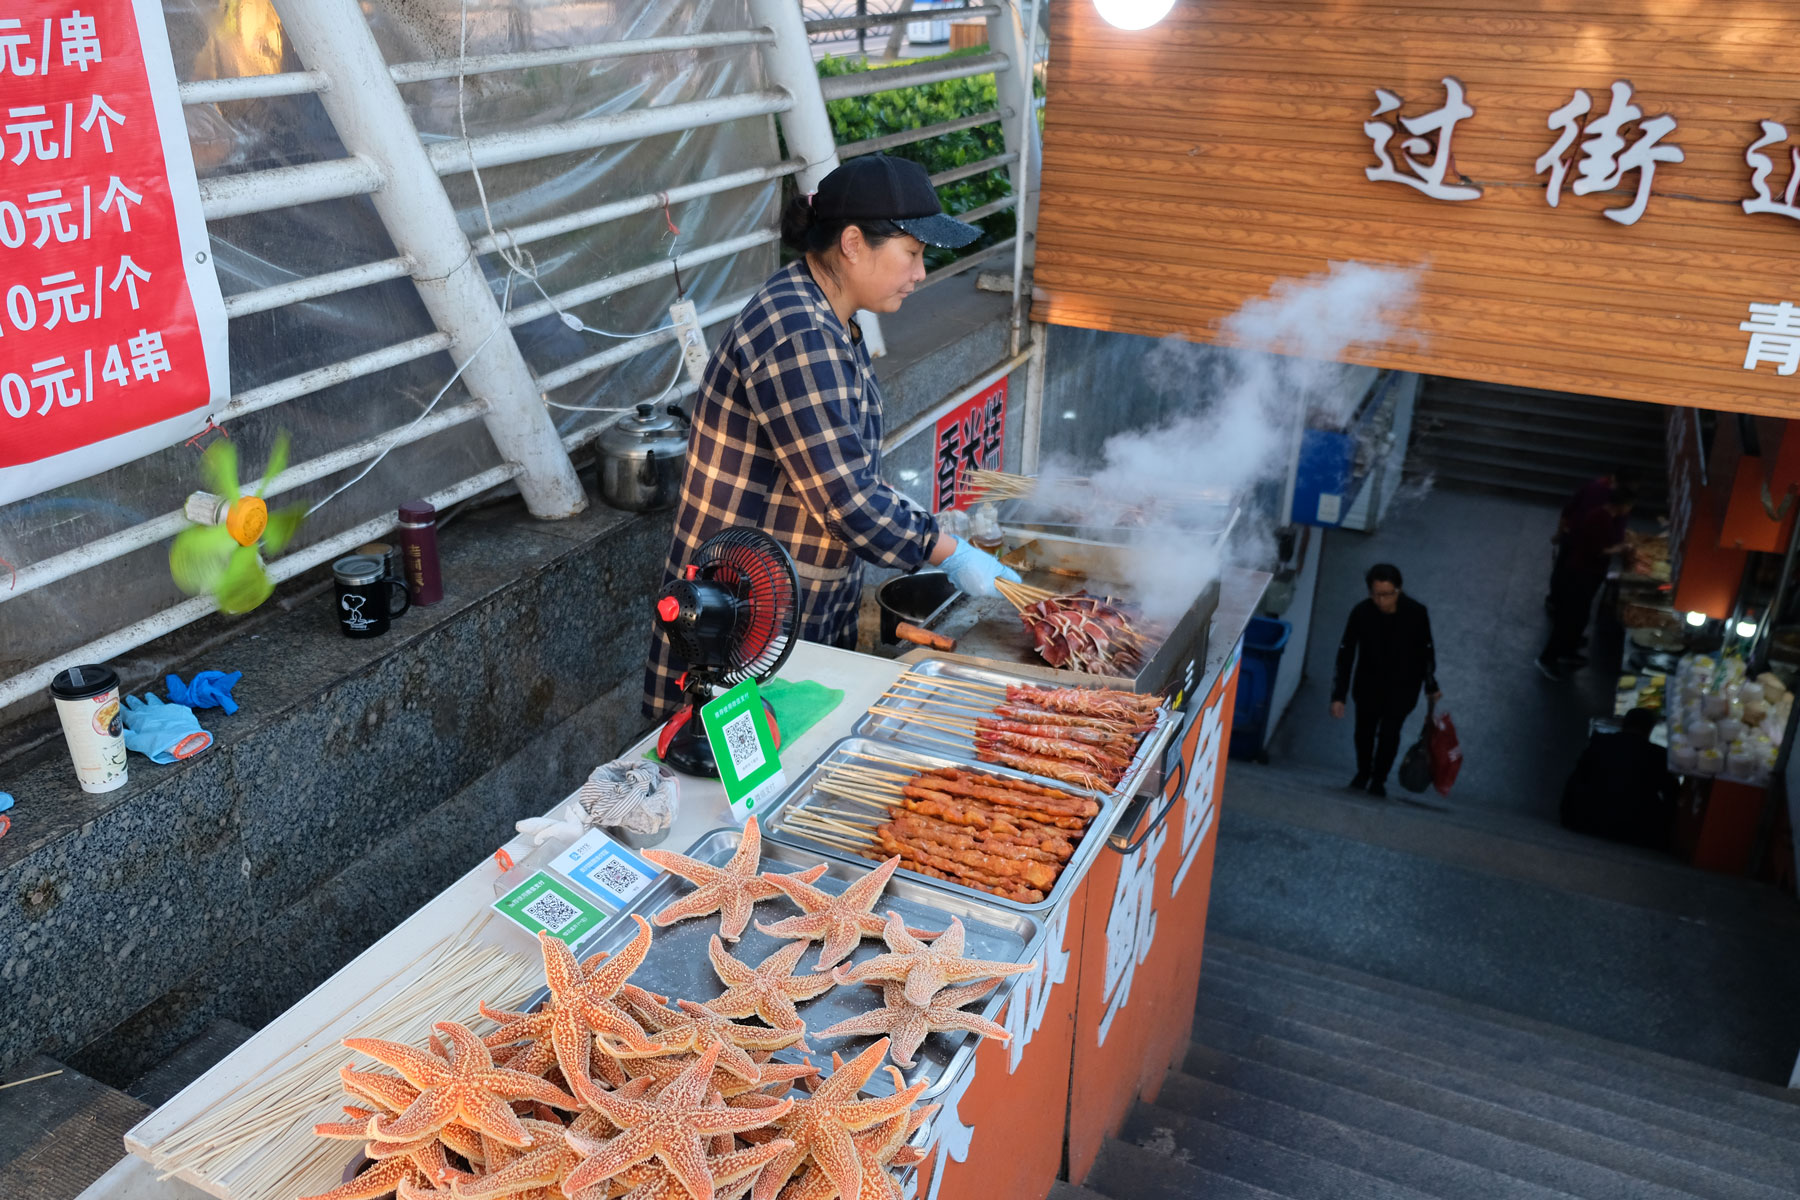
(1455,997)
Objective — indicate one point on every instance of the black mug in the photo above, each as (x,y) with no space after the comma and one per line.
(367,600)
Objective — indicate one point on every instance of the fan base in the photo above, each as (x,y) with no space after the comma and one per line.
(683,745)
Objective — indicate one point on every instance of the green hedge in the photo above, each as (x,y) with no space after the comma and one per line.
(864,117)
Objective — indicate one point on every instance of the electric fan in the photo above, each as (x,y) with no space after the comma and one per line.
(732,616)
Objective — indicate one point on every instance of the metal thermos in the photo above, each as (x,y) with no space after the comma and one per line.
(419,552)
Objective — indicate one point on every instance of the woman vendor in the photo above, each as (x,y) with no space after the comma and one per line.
(787,424)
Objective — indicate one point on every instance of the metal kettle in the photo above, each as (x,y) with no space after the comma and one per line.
(641,457)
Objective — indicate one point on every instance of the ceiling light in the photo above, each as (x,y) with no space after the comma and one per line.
(1133,14)
(1746,629)
(1696,619)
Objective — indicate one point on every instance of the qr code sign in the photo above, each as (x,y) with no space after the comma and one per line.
(552,912)
(742,744)
(619,877)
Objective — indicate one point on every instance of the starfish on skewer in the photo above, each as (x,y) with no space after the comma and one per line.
(821,1125)
(671,1128)
(468,1089)
(926,968)
(908,1023)
(770,991)
(731,890)
(839,921)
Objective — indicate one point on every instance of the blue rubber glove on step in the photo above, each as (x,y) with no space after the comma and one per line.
(210,689)
(165,733)
(974,571)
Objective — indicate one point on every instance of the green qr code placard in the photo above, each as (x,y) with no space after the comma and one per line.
(545,904)
(743,744)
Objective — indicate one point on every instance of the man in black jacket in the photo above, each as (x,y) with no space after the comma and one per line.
(1388,642)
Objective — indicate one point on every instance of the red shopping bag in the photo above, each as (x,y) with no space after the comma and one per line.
(1446,751)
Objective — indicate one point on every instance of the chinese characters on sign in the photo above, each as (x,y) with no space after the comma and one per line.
(1606,158)
(112,339)
(1428,178)
(1774,331)
(968,439)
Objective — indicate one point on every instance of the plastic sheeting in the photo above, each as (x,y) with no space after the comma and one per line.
(226,38)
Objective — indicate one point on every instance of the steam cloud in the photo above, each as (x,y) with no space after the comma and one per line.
(1242,408)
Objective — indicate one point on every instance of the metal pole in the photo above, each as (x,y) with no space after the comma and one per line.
(1026,213)
(805,125)
(371,119)
(1031,445)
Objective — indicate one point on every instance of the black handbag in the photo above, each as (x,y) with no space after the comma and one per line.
(1415,768)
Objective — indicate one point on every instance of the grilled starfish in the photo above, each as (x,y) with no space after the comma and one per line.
(670,1128)
(731,890)
(582,1003)
(469,1089)
(392,1095)
(770,990)
(908,1023)
(545,1165)
(821,1125)
(733,1172)
(728,1085)
(705,1028)
(926,968)
(839,921)
(877,1148)
(382,1179)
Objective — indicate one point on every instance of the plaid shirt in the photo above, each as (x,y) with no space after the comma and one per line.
(787,439)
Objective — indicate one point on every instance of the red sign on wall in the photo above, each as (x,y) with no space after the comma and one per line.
(969,438)
(112,331)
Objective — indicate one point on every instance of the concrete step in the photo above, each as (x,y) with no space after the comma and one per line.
(1439,390)
(1603,431)
(1537,1154)
(1126,1171)
(1534,469)
(157,1086)
(1468,1127)
(1645,1067)
(59,1134)
(1260,1161)
(1551,448)
(1486,479)
(1397,1159)
(1531,1082)
(1062,1189)
(1477,1098)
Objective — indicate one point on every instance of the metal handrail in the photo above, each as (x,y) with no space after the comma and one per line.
(252,87)
(975,168)
(875,20)
(484,64)
(319,378)
(924,133)
(588,133)
(988,209)
(887,79)
(287,187)
(583,367)
(966,262)
(314,287)
(626,280)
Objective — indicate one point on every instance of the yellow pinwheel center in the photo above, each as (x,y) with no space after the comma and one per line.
(248,517)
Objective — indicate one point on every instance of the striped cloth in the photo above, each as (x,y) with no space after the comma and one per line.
(787,439)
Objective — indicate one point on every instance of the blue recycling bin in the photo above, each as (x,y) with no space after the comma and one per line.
(1264,641)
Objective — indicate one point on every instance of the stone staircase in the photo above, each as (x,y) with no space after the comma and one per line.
(1536,444)
(1309,1081)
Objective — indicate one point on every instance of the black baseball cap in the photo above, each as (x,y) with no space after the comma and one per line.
(876,187)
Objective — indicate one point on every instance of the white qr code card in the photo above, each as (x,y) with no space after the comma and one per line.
(611,872)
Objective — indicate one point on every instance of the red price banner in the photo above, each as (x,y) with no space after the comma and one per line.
(112,331)
(969,438)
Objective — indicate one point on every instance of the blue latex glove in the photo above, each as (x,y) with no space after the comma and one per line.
(165,733)
(210,689)
(974,571)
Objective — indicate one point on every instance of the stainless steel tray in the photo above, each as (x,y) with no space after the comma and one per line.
(803,792)
(678,964)
(1145,764)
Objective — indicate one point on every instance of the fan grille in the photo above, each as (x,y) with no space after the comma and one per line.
(757,569)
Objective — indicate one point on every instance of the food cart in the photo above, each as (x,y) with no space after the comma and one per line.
(1101,1014)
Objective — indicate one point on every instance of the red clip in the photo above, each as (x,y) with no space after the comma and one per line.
(504,859)
(211,427)
(15,574)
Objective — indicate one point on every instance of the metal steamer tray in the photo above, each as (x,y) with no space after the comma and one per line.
(1146,764)
(1074,516)
(678,965)
(804,793)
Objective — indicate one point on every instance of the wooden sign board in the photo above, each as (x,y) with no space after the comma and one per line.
(1189,167)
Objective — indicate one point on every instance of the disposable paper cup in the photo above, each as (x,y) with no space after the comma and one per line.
(87,701)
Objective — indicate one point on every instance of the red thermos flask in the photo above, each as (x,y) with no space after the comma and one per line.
(419,553)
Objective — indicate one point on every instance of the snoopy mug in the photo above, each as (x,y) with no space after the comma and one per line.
(367,599)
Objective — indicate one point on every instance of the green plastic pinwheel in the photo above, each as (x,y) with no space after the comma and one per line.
(221,553)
